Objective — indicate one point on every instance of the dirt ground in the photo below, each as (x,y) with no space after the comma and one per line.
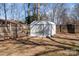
(59,45)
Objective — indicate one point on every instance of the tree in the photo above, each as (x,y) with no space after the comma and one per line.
(34,11)
(4,5)
(28,18)
(62,14)
(44,10)
(58,13)
(75,12)
(38,10)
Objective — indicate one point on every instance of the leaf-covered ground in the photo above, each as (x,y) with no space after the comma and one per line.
(59,45)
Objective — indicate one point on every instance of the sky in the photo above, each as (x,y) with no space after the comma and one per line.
(21,12)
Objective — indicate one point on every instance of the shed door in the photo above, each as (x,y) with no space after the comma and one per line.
(47,30)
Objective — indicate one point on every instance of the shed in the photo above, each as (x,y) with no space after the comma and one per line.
(42,28)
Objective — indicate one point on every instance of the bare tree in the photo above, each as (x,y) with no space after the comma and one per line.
(52,12)
(38,10)
(4,5)
(24,9)
(43,15)
(75,12)
(34,11)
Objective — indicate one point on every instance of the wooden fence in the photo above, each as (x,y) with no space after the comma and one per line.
(67,29)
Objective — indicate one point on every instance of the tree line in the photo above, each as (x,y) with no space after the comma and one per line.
(60,13)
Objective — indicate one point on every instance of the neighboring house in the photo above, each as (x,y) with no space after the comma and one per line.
(13,28)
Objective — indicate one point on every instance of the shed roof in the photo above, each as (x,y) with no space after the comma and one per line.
(42,22)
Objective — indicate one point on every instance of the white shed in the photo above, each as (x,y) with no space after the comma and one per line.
(42,28)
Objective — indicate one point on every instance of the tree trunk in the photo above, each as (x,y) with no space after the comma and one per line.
(5,28)
(34,11)
(5,14)
(38,11)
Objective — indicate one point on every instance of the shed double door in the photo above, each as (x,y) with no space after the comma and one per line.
(47,30)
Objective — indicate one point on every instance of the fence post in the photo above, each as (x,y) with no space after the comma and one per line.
(60,28)
(15,34)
